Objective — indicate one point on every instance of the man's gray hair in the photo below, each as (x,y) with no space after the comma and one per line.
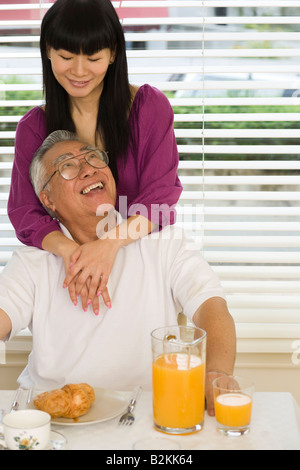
(37,171)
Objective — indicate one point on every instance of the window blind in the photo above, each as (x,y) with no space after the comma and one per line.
(231,72)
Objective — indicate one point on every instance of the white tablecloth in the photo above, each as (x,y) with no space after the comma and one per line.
(275,426)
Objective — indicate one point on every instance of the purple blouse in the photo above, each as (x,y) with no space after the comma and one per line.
(148,181)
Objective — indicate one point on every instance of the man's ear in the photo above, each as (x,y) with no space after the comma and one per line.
(46,200)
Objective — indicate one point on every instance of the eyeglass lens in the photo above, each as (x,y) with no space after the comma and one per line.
(70,168)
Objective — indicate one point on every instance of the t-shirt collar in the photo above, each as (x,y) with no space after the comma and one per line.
(65,231)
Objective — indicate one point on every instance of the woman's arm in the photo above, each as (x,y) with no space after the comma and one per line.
(28,217)
(156,159)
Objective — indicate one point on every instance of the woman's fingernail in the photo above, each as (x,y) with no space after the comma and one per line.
(70,267)
(85,309)
(108,304)
(96,312)
(75,302)
(64,285)
(89,302)
(99,293)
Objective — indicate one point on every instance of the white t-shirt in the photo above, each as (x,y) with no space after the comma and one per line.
(152,280)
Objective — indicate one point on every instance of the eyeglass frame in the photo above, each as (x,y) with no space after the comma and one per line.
(80,165)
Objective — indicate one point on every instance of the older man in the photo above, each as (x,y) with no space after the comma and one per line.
(153,279)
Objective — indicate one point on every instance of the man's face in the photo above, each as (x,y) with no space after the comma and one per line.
(76,199)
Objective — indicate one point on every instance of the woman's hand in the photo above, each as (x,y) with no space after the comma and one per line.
(91,265)
(86,256)
(67,251)
(88,266)
(67,254)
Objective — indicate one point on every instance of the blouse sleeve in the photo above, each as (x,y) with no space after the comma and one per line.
(30,220)
(158,159)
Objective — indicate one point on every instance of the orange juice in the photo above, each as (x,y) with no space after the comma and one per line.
(233,409)
(178,390)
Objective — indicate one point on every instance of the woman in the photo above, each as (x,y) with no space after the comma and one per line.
(87,91)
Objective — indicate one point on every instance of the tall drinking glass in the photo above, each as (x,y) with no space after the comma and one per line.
(178,379)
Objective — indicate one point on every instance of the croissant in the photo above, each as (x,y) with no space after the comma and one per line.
(71,401)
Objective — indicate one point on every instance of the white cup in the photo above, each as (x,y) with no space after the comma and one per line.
(27,430)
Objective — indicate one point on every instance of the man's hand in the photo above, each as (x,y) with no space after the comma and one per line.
(209,395)
(5,324)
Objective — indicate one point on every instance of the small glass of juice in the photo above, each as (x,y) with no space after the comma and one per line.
(233,397)
(178,379)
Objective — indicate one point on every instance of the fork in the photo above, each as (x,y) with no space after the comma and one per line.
(15,404)
(128,418)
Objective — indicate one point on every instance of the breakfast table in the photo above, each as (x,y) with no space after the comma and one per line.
(275,425)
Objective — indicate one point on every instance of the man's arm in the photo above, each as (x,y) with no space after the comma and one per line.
(213,317)
(5,324)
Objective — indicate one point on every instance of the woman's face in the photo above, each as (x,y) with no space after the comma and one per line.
(80,75)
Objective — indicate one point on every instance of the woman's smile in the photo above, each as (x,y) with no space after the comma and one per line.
(79,84)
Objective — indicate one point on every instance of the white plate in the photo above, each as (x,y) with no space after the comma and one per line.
(108,404)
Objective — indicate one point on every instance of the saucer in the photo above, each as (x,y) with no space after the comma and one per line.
(57,442)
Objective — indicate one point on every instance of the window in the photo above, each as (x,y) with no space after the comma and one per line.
(231,71)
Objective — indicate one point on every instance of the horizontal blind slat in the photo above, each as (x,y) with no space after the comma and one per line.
(240,165)
(169,53)
(238,117)
(275,101)
(270,315)
(258,272)
(211,20)
(237,149)
(24,6)
(261,287)
(252,257)
(272,331)
(238,133)
(208,3)
(241,179)
(243,195)
(247,211)
(257,300)
(252,241)
(250,3)
(198,133)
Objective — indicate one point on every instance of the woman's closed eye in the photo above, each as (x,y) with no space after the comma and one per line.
(65,58)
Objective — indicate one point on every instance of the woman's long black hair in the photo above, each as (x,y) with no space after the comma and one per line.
(87,26)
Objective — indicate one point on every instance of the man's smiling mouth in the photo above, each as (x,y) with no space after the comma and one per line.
(98,185)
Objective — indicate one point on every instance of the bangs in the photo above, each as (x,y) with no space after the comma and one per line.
(81,32)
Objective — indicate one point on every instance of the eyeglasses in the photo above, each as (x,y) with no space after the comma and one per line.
(70,168)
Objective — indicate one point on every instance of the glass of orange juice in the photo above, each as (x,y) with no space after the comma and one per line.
(178,379)
(233,397)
